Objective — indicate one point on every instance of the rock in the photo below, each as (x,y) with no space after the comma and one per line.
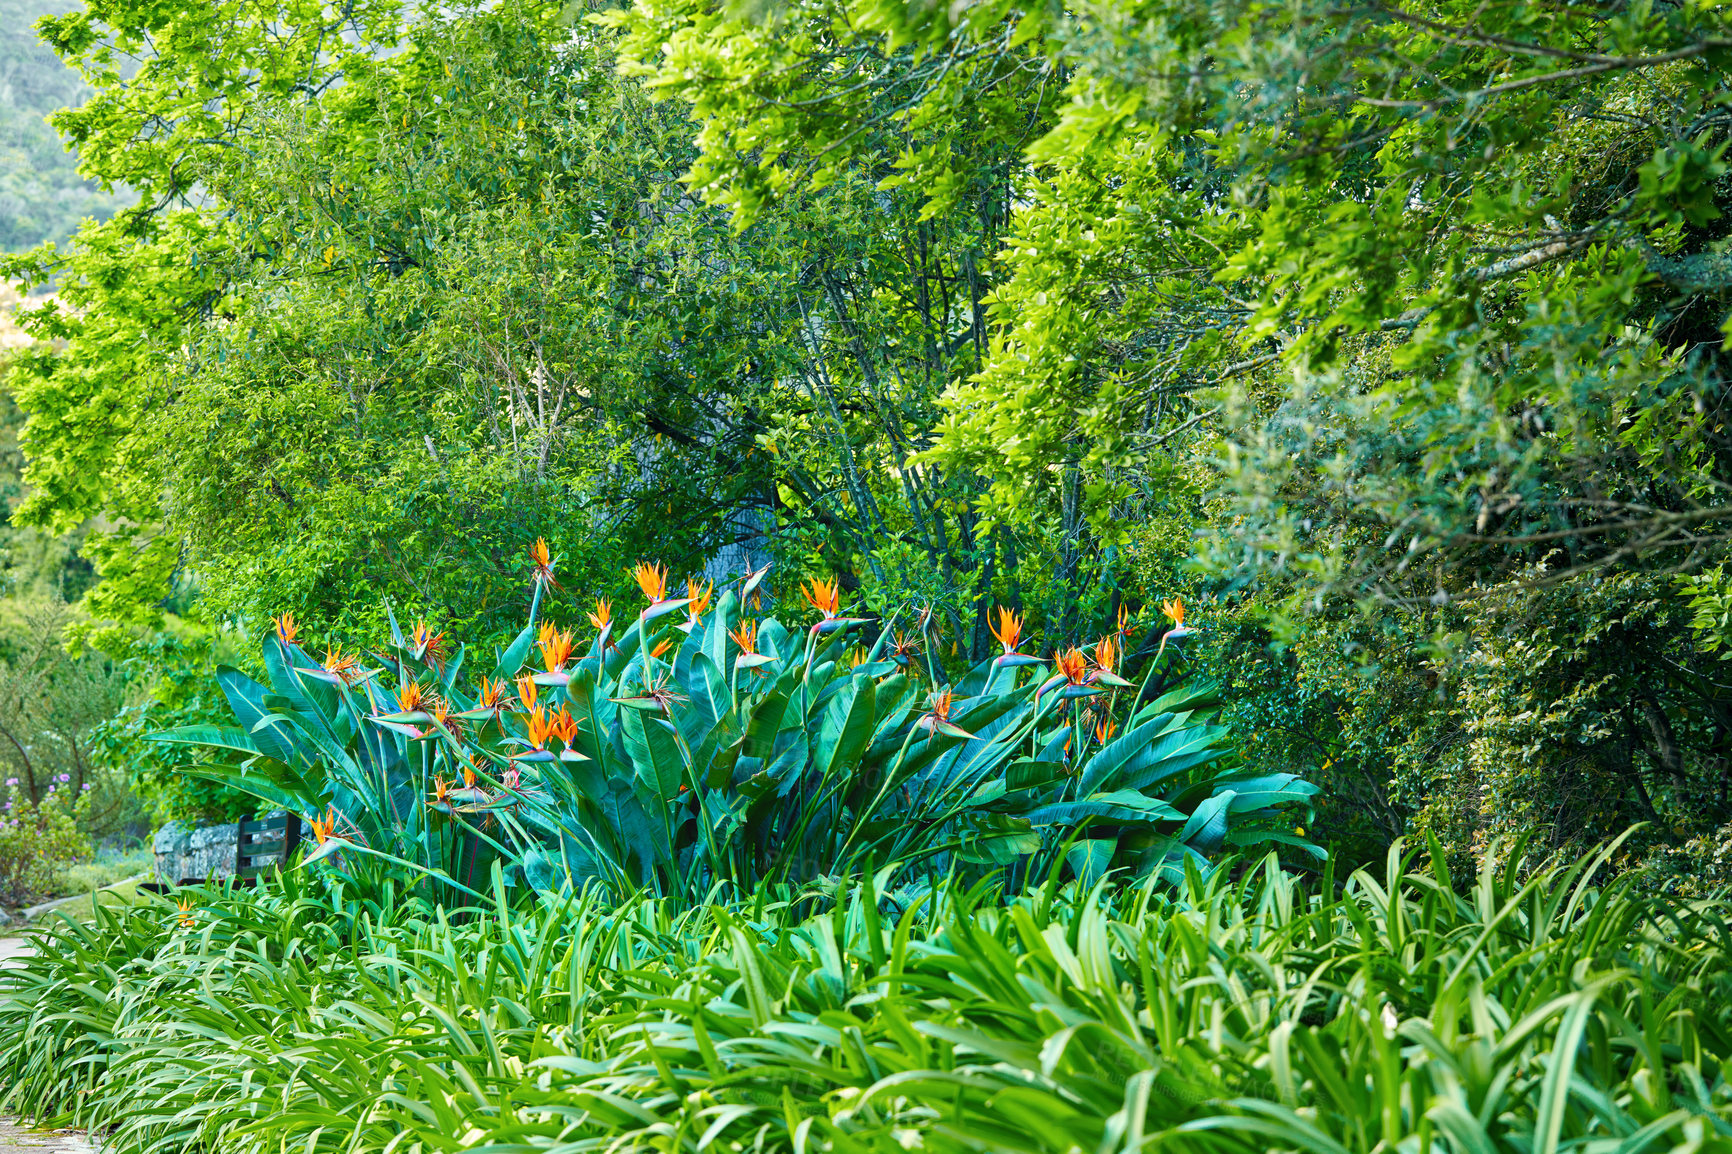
(170,846)
(210,852)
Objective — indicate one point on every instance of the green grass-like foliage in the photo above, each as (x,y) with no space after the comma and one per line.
(1535,1012)
(698,753)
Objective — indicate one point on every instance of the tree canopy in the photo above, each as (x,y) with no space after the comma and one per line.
(1395,333)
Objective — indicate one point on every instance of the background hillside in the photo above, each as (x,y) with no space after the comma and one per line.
(42,196)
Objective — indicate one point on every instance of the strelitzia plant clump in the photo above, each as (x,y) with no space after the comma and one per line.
(698,749)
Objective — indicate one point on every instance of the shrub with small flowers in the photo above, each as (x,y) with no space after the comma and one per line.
(37,841)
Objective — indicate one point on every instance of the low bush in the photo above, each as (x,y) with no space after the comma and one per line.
(38,841)
(1535,1012)
(105,867)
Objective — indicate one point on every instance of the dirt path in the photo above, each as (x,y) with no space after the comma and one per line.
(15,1140)
(12,951)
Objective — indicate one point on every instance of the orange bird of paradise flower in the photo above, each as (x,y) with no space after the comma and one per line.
(426,642)
(565,727)
(442,717)
(344,666)
(824,596)
(325,829)
(526,691)
(1073,665)
(662,647)
(745,635)
(287,629)
(542,562)
(555,649)
(540,727)
(1107,653)
(1104,729)
(186,917)
(602,616)
(492,694)
(937,717)
(653,580)
(1175,610)
(1008,630)
(699,595)
(412,697)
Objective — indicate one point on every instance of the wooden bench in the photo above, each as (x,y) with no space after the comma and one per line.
(265,844)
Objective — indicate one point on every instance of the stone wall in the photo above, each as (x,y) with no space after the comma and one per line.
(198,852)
(185,851)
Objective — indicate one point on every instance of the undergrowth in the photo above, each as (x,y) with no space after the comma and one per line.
(1535,1011)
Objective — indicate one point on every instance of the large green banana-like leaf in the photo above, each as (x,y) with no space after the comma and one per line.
(654,752)
(247,698)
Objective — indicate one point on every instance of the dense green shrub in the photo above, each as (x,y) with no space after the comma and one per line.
(701,749)
(39,839)
(1534,1011)
(172,682)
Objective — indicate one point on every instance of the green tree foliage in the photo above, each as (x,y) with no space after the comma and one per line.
(455,289)
(1476,248)
(1417,313)
(52,705)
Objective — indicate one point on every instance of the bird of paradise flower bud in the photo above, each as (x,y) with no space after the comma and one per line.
(603,615)
(653,580)
(1127,622)
(442,717)
(745,635)
(556,647)
(542,562)
(749,583)
(287,629)
(526,691)
(186,917)
(699,596)
(824,596)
